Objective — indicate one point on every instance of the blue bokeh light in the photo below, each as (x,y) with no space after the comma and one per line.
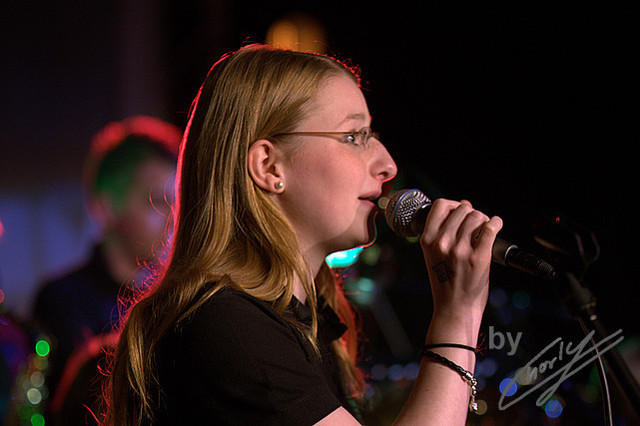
(508,386)
(553,409)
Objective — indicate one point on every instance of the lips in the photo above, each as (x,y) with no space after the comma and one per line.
(371,197)
(368,202)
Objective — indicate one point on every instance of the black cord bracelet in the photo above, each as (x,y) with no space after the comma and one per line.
(473,405)
(451,345)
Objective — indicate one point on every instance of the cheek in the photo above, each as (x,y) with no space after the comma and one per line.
(324,182)
(144,224)
(338,167)
(339,186)
(154,221)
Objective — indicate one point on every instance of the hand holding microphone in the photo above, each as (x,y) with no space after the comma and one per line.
(456,241)
(406,214)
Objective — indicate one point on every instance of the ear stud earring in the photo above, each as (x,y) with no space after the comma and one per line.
(279,185)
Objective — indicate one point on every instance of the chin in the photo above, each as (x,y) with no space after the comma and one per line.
(365,235)
(372,230)
(368,235)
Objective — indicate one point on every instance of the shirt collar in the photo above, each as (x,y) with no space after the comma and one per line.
(329,324)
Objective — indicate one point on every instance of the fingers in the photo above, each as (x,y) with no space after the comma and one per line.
(488,233)
(445,215)
(452,223)
(457,244)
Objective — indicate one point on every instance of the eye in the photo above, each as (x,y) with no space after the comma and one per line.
(351,138)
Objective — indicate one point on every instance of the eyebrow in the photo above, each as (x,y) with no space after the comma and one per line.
(354,116)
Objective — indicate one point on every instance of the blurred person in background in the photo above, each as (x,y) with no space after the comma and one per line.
(129,187)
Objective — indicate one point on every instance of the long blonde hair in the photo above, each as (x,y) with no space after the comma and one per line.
(227,230)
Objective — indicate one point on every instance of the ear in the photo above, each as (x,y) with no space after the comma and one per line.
(265,167)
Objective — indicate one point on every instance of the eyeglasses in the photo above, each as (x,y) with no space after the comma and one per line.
(358,138)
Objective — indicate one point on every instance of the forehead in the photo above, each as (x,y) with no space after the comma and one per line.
(338,102)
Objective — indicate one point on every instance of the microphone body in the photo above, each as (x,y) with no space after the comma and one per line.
(406,213)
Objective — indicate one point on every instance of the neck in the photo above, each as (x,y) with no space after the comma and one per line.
(314,258)
(298,290)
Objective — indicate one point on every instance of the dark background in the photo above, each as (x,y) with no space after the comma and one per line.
(527,110)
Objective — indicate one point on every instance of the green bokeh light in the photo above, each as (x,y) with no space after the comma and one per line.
(362,290)
(37,420)
(371,254)
(42,347)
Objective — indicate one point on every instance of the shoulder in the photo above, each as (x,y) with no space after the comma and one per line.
(229,301)
(232,308)
(249,362)
(237,319)
(70,280)
(56,292)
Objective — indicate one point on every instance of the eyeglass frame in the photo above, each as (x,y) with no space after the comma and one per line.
(365,132)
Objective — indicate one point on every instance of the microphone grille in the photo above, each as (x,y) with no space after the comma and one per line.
(401,210)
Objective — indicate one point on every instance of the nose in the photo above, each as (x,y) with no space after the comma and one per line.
(382,165)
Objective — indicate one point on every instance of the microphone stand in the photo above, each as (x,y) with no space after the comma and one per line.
(582,305)
(568,242)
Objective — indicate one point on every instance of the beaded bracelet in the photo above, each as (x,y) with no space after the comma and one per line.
(451,345)
(473,405)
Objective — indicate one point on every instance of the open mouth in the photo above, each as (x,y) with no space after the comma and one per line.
(369,200)
(373,200)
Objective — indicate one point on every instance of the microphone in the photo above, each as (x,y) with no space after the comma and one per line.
(406,213)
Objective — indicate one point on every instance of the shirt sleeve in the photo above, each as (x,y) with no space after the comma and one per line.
(254,364)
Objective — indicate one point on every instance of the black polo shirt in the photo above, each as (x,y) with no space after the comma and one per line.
(235,361)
